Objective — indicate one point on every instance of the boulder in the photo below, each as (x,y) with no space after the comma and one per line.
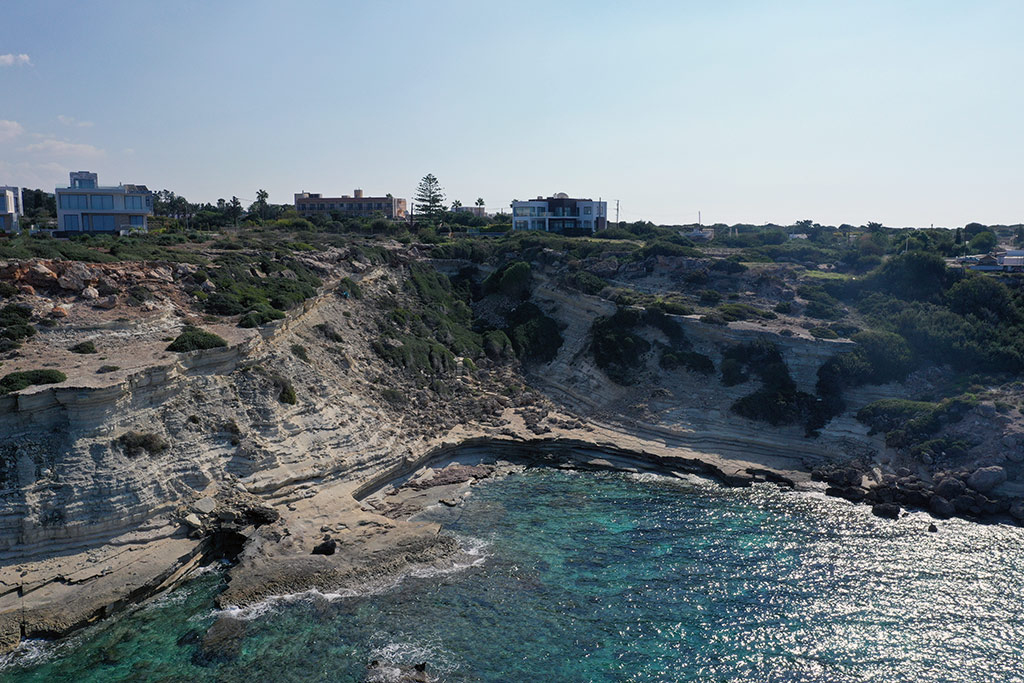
(106,302)
(90,294)
(193,521)
(886,510)
(1017,510)
(59,312)
(76,276)
(327,547)
(205,505)
(984,479)
(949,488)
(39,275)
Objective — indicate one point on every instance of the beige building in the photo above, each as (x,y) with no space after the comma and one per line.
(310,204)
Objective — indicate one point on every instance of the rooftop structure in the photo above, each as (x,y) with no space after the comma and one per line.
(86,206)
(560,213)
(10,208)
(311,204)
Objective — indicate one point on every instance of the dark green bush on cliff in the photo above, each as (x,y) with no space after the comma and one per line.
(585,282)
(195,339)
(777,401)
(14,324)
(512,280)
(617,349)
(690,360)
(908,423)
(535,336)
(83,347)
(16,381)
(136,443)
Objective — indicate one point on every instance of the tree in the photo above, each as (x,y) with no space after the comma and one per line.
(235,209)
(429,197)
(261,202)
(479,201)
(456,205)
(984,242)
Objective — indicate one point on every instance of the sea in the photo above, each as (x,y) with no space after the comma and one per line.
(570,576)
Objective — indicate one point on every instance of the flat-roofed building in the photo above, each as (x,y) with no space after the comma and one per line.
(10,208)
(87,206)
(357,205)
(560,213)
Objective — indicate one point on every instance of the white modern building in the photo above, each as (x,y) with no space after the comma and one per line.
(10,208)
(87,206)
(560,213)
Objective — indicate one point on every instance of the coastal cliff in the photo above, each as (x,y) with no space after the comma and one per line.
(230,464)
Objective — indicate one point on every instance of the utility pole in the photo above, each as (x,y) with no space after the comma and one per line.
(616,213)
(698,219)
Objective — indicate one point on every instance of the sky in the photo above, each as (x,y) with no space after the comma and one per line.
(906,113)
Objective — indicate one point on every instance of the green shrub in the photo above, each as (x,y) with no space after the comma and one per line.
(691,360)
(83,347)
(617,350)
(299,351)
(16,381)
(907,423)
(497,345)
(534,336)
(710,297)
(585,282)
(329,333)
(735,312)
(784,307)
(136,443)
(107,368)
(194,339)
(286,390)
(7,290)
(347,287)
(393,396)
(512,280)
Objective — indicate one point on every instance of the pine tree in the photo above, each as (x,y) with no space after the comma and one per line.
(429,197)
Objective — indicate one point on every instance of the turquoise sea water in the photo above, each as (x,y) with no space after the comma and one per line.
(612,577)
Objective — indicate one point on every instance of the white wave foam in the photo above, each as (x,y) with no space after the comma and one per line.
(392,653)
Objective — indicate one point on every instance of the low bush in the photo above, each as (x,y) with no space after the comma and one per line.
(690,360)
(299,351)
(16,381)
(83,347)
(136,443)
(585,282)
(823,333)
(195,339)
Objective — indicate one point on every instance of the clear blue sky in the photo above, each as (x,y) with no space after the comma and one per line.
(907,113)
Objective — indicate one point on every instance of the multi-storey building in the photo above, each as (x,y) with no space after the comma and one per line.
(560,213)
(87,206)
(310,204)
(10,208)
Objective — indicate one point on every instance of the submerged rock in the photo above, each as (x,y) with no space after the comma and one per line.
(222,642)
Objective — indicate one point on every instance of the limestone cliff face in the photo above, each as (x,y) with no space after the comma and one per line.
(691,409)
(65,480)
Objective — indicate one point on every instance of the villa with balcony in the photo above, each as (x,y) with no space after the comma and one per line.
(85,206)
(560,214)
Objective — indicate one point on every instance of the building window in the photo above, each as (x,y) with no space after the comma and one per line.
(587,210)
(3,203)
(137,221)
(71,222)
(3,222)
(102,201)
(97,223)
(74,201)
(133,203)
(84,183)
(522,225)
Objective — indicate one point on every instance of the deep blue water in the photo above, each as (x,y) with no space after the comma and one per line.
(609,577)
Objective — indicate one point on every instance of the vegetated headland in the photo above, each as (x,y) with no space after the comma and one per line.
(283,392)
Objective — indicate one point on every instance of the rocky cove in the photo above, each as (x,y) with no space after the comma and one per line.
(88,527)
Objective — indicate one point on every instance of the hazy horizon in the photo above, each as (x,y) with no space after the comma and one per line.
(747,112)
